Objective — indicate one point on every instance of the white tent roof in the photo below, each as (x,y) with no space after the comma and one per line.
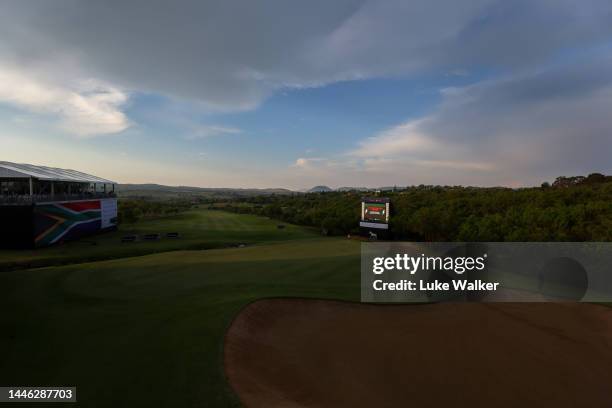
(21,170)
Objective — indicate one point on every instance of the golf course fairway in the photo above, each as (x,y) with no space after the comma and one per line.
(198,228)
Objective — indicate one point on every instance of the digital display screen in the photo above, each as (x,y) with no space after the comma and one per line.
(375,210)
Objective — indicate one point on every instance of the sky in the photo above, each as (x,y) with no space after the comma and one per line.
(287,93)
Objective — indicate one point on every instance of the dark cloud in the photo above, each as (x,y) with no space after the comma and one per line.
(227,53)
(232,53)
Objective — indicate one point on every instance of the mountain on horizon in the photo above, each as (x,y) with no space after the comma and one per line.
(162,191)
(320,189)
(343,189)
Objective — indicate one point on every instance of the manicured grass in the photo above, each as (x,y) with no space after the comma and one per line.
(148,331)
(199,229)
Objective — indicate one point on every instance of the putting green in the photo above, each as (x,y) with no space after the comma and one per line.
(148,331)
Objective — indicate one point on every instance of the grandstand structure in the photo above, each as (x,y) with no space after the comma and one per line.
(41,205)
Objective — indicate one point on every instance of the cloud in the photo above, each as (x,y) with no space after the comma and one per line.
(206,131)
(305,162)
(538,118)
(231,55)
(87,109)
(517,130)
(402,139)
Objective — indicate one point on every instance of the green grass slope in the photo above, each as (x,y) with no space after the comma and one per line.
(199,229)
(148,331)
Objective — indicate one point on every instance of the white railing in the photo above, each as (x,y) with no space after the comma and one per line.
(38,198)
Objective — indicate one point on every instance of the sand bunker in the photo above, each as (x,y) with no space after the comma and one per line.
(311,353)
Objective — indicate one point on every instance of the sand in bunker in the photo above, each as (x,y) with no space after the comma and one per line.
(312,353)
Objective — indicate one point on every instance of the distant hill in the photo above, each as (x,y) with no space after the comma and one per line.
(160,192)
(157,191)
(320,189)
(354,189)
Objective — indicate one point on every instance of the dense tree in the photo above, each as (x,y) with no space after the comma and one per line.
(575,211)
(130,211)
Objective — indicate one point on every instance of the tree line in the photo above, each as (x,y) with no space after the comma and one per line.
(132,210)
(572,211)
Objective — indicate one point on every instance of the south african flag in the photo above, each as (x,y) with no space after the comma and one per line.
(54,222)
